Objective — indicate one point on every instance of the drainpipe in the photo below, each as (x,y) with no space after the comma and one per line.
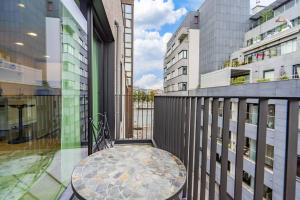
(90,81)
(118,94)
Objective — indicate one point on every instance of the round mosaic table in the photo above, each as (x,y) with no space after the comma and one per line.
(129,172)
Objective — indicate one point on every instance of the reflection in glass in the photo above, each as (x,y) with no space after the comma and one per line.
(40,127)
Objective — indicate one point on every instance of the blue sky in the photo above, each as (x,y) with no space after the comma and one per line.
(155,21)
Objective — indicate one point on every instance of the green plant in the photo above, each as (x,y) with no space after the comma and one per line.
(227,63)
(264,80)
(238,80)
(266,15)
(285,77)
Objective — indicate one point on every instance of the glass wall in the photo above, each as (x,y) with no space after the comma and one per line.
(42,62)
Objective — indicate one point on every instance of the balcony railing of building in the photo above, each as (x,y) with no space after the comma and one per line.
(137,124)
(182,125)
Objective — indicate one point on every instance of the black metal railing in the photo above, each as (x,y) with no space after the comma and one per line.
(137,122)
(188,126)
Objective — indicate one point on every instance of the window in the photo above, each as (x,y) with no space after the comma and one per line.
(269,74)
(127,66)
(128,52)
(128,23)
(271,116)
(252,113)
(196,19)
(127,37)
(249,42)
(182,86)
(173,60)
(128,59)
(232,141)
(128,30)
(128,8)
(182,54)
(67,48)
(289,47)
(182,70)
(220,108)
(219,135)
(267,193)
(218,158)
(269,159)
(128,16)
(228,166)
(248,180)
(128,45)
(250,148)
(50,6)
(296,71)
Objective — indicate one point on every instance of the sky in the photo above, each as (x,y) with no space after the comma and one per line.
(155,21)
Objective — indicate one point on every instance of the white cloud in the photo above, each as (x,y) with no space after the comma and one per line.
(149,52)
(149,81)
(153,14)
(149,44)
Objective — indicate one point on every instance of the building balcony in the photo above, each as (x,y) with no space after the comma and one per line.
(189,127)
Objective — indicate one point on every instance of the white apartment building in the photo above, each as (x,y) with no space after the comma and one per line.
(181,63)
(271,49)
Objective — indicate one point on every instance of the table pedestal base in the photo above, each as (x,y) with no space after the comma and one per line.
(19,140)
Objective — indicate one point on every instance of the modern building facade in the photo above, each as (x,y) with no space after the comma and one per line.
(61,63)
(267,63)
(271,50)
(128,15)
(181,63)
(223,24)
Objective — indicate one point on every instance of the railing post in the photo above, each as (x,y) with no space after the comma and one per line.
(291,149)
(182,127)
(225,142)
(165,122)
(204,148)
(261,149)
(191,148)
(186,135)
(240,149)
(213,148)
(172,125)
(177,125)
(197,147)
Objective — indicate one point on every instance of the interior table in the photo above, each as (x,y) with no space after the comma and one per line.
(129,172)
(20,139)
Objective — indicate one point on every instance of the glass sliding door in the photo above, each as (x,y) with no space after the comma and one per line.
(97,54)
(41,53)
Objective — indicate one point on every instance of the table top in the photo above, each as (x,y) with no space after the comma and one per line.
(129,172)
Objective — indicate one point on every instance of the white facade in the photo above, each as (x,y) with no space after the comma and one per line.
(181,63)
(193,59)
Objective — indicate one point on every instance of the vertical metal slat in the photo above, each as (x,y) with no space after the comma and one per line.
(291,149)
(191,148)
(213,148)
(225,142)
(240,148)
(204,148)
(261,149)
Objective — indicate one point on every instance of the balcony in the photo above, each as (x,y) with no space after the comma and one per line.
(182,126)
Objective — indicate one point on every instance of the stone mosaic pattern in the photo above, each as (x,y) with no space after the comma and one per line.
(129,172)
